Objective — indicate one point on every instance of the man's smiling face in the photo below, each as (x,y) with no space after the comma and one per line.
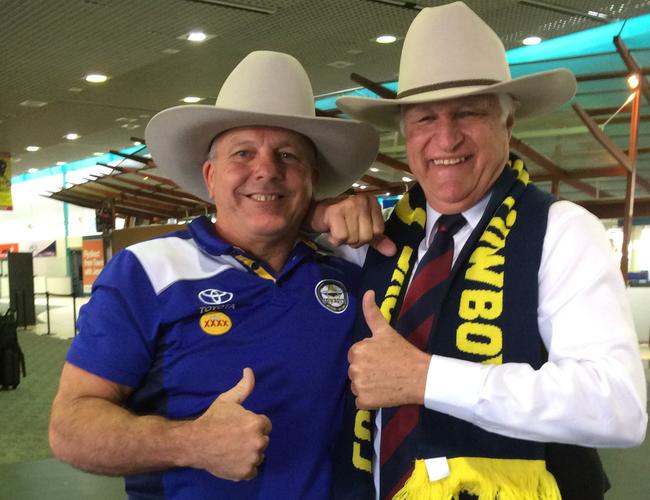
(457,149)
(261,180)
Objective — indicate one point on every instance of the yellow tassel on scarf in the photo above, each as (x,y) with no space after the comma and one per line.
(487,478)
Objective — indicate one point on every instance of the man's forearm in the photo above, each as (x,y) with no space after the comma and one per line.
(99,436)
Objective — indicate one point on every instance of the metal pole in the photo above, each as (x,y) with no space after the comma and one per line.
(47,309)
(74,312)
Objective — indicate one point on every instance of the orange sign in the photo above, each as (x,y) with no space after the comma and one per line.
(5,248)
(92,259)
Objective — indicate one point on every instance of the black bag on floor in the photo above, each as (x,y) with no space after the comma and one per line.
(12,360)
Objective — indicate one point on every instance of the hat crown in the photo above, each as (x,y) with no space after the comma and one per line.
(268,82)
(466,50)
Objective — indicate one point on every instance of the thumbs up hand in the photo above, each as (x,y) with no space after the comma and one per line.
(385,369)
(228,440)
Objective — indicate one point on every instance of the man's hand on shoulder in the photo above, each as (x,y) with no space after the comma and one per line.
(353,220)
(228,440)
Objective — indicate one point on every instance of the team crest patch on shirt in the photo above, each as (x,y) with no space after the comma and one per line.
(214,297)
(215,323)
(332,295)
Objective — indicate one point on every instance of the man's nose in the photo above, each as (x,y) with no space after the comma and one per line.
(267,165)
(449,134)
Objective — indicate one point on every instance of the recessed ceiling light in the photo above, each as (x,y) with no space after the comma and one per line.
(355,185)
(97,153)
(196,36)
(191,99)
(32,170)
(385,39)
(137,143)
(32,148)
(531,40)
(96,78)
(340,64)
(374,169)
(59,163)
(406,179)
(33,104)
(363,186)
(72,136)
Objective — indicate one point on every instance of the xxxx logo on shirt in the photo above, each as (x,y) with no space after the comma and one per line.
(215,323)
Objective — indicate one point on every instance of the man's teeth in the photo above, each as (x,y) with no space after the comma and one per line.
(450,161)
(265,197)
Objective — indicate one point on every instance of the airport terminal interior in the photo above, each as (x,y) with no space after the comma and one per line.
(81,79)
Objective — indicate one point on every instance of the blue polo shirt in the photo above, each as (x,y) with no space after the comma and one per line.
(177,318)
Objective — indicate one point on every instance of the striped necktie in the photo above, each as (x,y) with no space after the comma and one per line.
(415,320)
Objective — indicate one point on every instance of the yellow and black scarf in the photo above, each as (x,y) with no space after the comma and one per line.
(489,315)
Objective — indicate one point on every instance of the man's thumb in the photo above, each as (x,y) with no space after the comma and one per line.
(374,318)
(239,392)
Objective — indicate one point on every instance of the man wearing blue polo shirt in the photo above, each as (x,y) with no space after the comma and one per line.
(209,362)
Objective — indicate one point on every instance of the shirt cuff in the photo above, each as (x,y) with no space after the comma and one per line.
(454,385)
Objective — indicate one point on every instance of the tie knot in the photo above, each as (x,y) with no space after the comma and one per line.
(450,223)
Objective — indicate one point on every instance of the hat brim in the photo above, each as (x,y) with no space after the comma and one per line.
(179,139)
(535,94)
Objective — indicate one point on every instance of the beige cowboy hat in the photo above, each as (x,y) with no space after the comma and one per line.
(265,89)
(450,52)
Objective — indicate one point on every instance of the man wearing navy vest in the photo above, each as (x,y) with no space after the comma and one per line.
(522,357)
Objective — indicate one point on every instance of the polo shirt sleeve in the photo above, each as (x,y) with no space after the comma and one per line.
(118,327)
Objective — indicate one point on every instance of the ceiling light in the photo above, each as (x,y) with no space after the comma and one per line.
(407,179)
(191,99)
(32,170)
(72,136)
(532,40)
(633,81)
(355,185)
(32,148)
(374,169)
(385,39)
(33,104)
(137,143)
(363,186)
(97,153)
(60,163)
(96,78)
(196,36)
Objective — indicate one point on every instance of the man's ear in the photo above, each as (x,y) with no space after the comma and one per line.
(208,174)
(510,123)
(315,177)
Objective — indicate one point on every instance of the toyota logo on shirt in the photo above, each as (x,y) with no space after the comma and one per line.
(214,297)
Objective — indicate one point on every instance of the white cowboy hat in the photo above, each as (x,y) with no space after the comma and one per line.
(265,89)
(450,52)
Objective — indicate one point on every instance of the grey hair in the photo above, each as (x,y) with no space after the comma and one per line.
(212,152)
(507,105)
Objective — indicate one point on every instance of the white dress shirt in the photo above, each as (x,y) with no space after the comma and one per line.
(592,390)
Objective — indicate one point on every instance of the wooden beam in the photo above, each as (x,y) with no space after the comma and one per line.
(553,168)
(611,147)
(631,180)
(632,66)
(378,89)
(613,208)
(392,162)
(138,158)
